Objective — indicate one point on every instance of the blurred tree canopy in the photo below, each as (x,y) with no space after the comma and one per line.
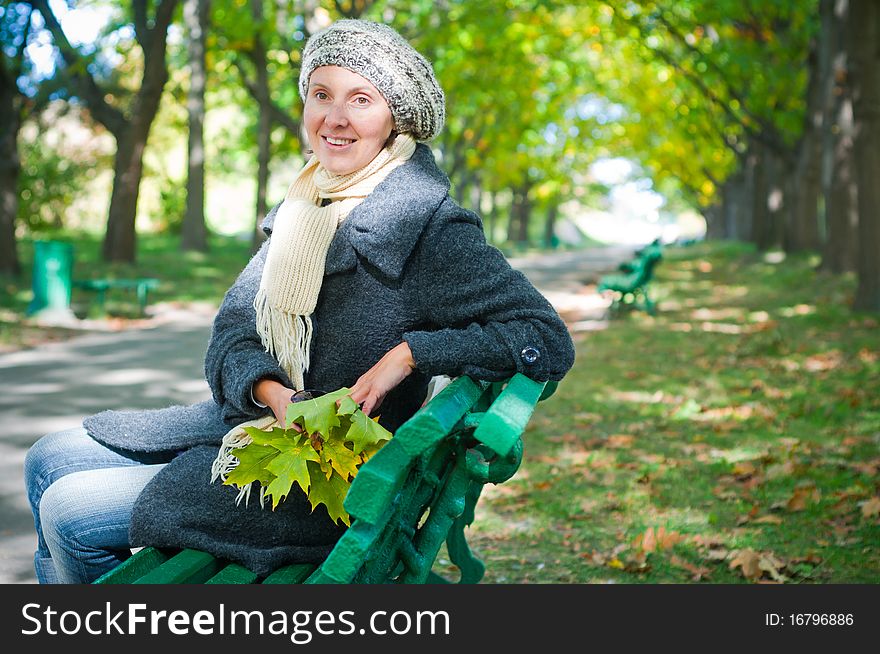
(763,117)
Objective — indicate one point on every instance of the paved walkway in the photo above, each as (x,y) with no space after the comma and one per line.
(54,386)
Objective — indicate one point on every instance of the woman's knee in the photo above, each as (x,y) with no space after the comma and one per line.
(92,508)
(49,457)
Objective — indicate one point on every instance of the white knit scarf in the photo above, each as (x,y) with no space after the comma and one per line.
(301,237)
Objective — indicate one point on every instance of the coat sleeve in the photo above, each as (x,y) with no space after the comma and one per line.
(484,319)
(236,357)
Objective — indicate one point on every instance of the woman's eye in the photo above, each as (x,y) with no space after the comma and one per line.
(320,95)
(362,100)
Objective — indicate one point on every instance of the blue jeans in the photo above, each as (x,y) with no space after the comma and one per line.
(81,494)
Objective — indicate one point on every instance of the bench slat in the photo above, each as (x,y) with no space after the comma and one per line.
(187,567)
(233,574)
(134,568)
(291,574)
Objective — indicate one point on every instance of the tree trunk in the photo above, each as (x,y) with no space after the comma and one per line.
(520,212)
(735,206)
(195,232)
(802,225)
(120,241)
(715,220)
(864,20)
(264,124)
(10,167)
(762,229)
(779,181)
(839,182)
(131,139)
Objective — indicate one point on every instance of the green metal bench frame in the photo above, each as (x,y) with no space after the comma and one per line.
(631,285)
(142,286)
(415,493)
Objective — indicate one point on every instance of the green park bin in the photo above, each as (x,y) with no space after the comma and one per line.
(52,277)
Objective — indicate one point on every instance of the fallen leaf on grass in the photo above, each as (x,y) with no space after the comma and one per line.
(802,497)
(755,564)
(618,441)
(697,572)
(707,541)
(868,468)
(778,470)
(870,508)
(823,361)
(661,540)
(717,554)
(744,469)
(768,520)
(867,356)
(751,515)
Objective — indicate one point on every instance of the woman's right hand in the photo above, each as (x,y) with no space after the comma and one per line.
(276,396)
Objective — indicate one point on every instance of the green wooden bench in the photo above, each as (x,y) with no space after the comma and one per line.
(630,286)
(415,493)
(141,286)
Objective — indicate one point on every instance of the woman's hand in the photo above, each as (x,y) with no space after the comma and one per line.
(372,387)
(276,396)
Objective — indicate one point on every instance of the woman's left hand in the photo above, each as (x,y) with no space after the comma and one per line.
(372,387)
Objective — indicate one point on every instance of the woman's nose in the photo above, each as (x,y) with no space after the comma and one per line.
(336,115)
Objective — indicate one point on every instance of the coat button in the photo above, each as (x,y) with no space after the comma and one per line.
(530,355)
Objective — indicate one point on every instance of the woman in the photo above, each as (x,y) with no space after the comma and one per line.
(372,278)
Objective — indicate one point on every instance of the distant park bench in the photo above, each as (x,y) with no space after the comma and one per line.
(419,490)
(141,286)
(630,285)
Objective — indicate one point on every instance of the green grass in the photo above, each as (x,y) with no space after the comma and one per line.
(743,420)
(184,277)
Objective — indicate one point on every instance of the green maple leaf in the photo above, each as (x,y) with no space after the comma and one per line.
(252,465)
(342,459)
(290,467)
(262,437)
(347,406)
(330,492)
(365,432)
(318,414)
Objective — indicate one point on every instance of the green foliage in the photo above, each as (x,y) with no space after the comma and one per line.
(53,173)
(322,459)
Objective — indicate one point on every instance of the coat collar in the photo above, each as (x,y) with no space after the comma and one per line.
(385,227)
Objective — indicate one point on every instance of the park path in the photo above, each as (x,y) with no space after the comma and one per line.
(54,386)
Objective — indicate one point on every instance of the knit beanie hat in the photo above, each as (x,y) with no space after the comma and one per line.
(378,53)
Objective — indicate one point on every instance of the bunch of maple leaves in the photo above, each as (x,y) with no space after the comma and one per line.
(323,459)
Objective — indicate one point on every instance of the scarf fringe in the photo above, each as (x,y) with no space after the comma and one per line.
(237,438)
(286,337)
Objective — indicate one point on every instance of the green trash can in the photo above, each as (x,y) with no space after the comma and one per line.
(52,279)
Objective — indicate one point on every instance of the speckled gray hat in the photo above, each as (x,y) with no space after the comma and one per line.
(378,53)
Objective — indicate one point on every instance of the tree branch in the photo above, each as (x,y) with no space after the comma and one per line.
(106,114)
(141,26)
(278,115)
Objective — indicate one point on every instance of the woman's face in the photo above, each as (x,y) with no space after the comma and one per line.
(346,118)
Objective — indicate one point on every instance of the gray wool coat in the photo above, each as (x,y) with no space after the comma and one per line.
(407,264)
